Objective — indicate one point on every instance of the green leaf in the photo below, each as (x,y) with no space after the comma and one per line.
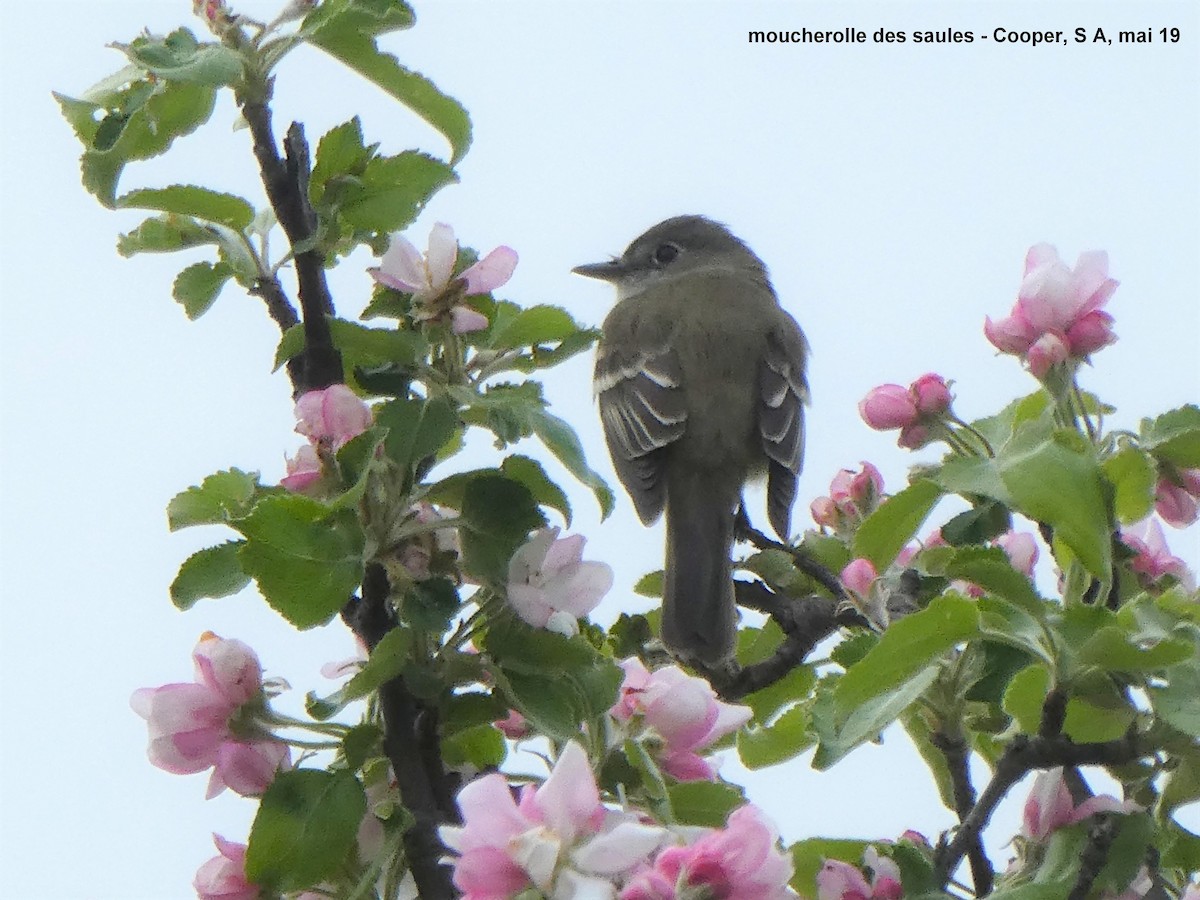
(809,857)
(506,410)
(882,535)
(499,513)
(935,760)
(417,429)
(1111,649)
(865,722)
(794,687)
(218,499)
(650,585)
(180,57)
(1095,711)
(386,661)
(307,561)
(360,346)
(151,117)
(481,747)
(530,473)
(704,803)
(212,572)
(306,825)
(768,745)
(1057,481)
(1176,701)
(561,440)
(1181,787)
(541,357)
(1132,475)
(361,742)
(197,287)
(164,234)
(229,210)
(1174,436)
(907,646)
(990,569)
(978,525)
(340,153)
(1015,627)
(392,192)
(533,325)
(346,30)
(431,604)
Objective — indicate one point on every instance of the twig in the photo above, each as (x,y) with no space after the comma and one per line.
(954,751)
(1095,855)
(805,563)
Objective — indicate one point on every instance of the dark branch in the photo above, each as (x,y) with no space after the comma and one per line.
(805,563)
(1024,755)
(286,182)
(954,751)
(412,744)
(1095,855)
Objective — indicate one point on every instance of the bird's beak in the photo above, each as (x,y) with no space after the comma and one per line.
(605,271)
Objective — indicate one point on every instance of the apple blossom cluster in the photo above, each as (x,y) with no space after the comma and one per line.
(839,880)
(852,497)
(430,278)
(329,418)
(562,840)
(917,410)
(1058,315)
(219,721)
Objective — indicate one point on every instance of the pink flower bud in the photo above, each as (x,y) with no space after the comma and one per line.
(1176,501)
(914,437)
(224,877)
(334,415)
(888,406)
(1046,352)
(858,576)
(303,469)
(825,512)
(1089,333)
(932,395)
(1013,334)
(1021,549)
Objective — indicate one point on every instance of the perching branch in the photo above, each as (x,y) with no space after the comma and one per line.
(412,744)
(954,751)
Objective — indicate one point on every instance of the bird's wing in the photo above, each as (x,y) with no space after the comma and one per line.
(642,409)
(783,394)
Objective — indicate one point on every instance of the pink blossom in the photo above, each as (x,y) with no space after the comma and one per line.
(741,861)
(229,667)
(682,710)
(1058,313)
(347,668)
(888,406)
(559,831)
(1154,559)
(428,277)
(514,726)
(913,409)
(224,877)
(858,576)
(1050,807)
(303,469)
(839,880)
(931,395)
(333,415)
(187,725)
(1022,550)
(247,768)
(852,497)
(825,512)
(549,584)
(1192,891)
(1177,496)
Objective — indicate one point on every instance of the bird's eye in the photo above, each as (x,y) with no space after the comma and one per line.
(665,253)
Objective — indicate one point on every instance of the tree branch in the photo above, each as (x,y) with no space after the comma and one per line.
(1024,755)
(954,751)
(286,182)
(412,744)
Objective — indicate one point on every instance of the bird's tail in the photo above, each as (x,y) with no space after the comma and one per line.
(699,613)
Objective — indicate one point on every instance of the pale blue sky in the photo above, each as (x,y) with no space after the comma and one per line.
(892,190)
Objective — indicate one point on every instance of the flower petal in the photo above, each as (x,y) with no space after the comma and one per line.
(491,272)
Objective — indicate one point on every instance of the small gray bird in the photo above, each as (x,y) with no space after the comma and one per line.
(700,379)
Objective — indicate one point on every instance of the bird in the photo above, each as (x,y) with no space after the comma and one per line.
(701,386)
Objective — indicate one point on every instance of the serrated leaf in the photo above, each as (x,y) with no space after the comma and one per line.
(907,646)
(561,440)
(346,30)
(340,152)
(215,501)
(306,560)
(978,525)
(498,515)
(180,57)
(417,429)
(1174,436)
(360,346)
(530,473)
(197,287)
(386,661)
(306,825)
(883,533)
(533,325)
(650,585)
(207,205)
(392,192)
(1111,649)
(212,572)
(482,747)
(1057,481)
(1176,701)
(172,109)
(990,569)
(794,687)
